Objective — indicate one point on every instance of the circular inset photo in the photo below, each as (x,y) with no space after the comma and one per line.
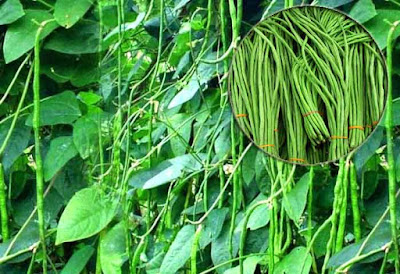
(308,85)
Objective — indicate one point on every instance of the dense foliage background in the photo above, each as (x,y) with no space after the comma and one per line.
(144,168)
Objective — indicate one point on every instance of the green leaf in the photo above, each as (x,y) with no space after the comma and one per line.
(296,199)
(80,70)
(179,251)
(165,172)
(363,10)
(113,250)
(82,38)
(180,4)
(86,214)
(297,261)
(86,133)
(180,124)
(333,3)
(220,246)
(125,27)
(68,12)
(18,141)
(62,149)
(28,236)
(396,113)
(62,108)
(379,27)
(89,98)
(213,226)
(78,260)
(249,266)
(222,144)
(259,217)
(204,73)
(249,165)
(20,35)
(367,150)
(10,11)
(380,238)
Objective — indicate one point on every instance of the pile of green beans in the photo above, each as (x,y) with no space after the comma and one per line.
(307,84)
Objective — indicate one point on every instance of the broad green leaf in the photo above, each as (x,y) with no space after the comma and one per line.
(181,125)
(28,236)
(249,266)
(363,11)
(80,39)
(379,27)
(80,70)
(24,206)
(20,35)
(367,150)
(319,246)
(248,165)
(78,260)
(259,217)
(296,199)
(297,261)
(113,250)
(213,226)
(86,133)
(179,251)
(396,113)
(86,214)
(62,108)
(380,238)
(180,4)
(153,266)
(89,98)
(10,11)
(200,78)
(68,12)
(333,3)
(126,27)
(62,149)
(220,246)
(18,141)
(182,46)
(185,94)
(222,144)
(256,241)
(165,172)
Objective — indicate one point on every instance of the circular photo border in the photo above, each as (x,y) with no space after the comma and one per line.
(385,82)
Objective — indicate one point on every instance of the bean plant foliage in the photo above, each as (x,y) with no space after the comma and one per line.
(119,152)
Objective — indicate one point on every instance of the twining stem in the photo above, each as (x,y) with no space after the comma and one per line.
(235,188)
(343,208)
(310,204)
(3,199)
(38,157)
(354,203)
(136,255)
(330,246)
(309,216)
(3,206)
(390,155)
(193,253)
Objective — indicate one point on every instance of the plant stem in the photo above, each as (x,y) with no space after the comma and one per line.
(235,188)
(38,156)
(3,206)
(354,203)
(390,155)
(193,253)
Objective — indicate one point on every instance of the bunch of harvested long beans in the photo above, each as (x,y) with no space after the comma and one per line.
(308,84)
